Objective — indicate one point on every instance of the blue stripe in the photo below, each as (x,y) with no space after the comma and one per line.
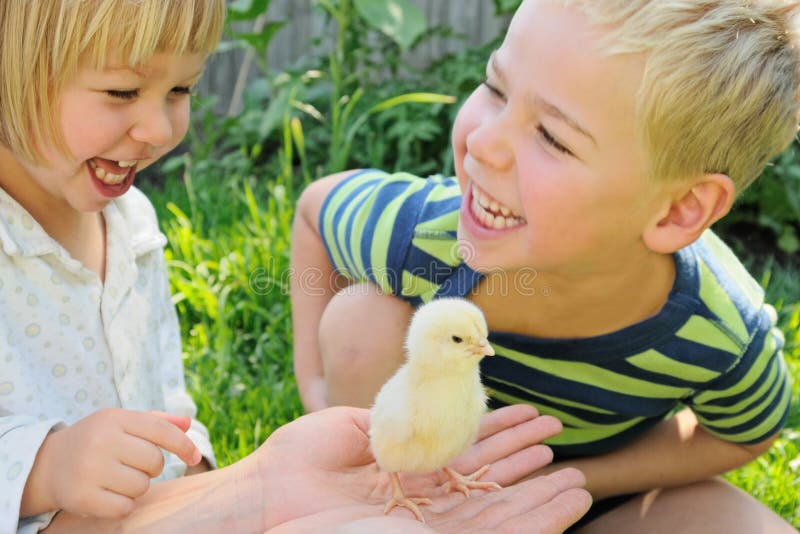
(744,427)
(735,375)
(506,370)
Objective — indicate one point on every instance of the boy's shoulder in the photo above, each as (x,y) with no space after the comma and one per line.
(722,286)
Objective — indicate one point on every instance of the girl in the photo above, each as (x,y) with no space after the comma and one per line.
(92,92)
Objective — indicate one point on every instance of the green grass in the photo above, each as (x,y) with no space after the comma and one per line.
(228,258)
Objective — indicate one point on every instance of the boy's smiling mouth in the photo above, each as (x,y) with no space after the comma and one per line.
(111,177)
(490,213)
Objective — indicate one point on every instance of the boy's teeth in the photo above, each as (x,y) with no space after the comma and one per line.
(491,214)
(124,163)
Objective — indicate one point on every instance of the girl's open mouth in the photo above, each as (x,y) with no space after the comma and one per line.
(112,178)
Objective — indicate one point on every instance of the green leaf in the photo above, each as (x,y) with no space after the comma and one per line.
(400,20)
(260,41)
(246,9)
(425,98)
(789,242)
(502,7)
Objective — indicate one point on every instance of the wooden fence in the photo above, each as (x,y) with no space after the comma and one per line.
(475,19)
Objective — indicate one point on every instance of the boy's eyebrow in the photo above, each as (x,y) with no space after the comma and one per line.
(539,102)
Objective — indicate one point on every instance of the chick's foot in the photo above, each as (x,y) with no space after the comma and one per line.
(399,499)
(464,483)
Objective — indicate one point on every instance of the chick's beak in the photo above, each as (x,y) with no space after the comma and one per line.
(483,348)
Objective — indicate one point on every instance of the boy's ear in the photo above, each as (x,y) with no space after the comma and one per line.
(692,208)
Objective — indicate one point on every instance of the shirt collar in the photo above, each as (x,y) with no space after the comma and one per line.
(129,218)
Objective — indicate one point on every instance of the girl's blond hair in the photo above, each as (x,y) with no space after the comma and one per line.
(720,87)
(42,43)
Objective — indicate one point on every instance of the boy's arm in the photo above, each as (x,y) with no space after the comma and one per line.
(314,282)
(675,452)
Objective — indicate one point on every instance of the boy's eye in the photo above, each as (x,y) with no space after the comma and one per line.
(128,94)
(550,140)
(492,89)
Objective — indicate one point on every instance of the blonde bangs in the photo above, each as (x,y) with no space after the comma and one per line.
(43,43)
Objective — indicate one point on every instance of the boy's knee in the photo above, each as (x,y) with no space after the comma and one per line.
(361,319)
(361,335)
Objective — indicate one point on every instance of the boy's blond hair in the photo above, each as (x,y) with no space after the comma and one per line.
(720,87)
(42,43)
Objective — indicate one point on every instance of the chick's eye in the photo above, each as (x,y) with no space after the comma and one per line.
(457,339)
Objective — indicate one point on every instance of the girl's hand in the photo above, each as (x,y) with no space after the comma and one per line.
(100,464)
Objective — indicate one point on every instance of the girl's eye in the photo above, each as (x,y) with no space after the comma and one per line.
(550,140)
(182,91)
(123,94)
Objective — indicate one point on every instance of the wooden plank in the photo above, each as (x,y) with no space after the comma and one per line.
(473,18)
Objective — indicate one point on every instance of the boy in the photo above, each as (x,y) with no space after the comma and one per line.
(607,138)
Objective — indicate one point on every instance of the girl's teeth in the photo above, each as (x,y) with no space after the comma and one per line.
(124,163)
(106,177)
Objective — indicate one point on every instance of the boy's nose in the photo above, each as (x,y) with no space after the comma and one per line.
(154,127)
(488,144)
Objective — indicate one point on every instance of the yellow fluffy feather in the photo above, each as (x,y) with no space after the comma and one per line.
(428,412)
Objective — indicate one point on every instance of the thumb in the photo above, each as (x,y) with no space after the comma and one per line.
(180,421)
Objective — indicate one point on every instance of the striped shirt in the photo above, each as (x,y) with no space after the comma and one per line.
(713,347)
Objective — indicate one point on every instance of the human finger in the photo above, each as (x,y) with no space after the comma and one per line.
(505,443)
(140,454)
(491,509)
(180,421)
(518,465)
(158,431)
(553,517)
(505,417)
(127,481)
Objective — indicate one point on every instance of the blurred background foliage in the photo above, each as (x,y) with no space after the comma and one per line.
(226,200)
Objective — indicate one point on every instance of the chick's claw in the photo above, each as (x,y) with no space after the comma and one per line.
(464,483)
(399,499)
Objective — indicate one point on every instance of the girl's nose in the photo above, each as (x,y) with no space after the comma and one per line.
(154,126)
(488,143)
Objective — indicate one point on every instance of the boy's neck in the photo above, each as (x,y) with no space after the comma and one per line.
(557,306)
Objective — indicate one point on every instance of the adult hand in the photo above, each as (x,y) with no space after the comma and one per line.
(319,471)
(100,464)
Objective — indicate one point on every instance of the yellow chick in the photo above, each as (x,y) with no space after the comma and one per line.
(428,412)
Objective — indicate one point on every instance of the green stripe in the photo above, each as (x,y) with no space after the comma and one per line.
(565,402)
(734,408)
(758,367)
(702,331)
(764,427)
(750,414)
(719,301)
(734,269)
(576,430)
(380,242)
(415,286)
(445,251)
(334,202)
(598,377)
(354,251)
(655,362)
